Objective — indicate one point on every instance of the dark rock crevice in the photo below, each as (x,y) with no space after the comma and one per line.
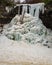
(47,16)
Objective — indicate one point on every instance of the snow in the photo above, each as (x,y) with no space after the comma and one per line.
(29,43)
(21,53)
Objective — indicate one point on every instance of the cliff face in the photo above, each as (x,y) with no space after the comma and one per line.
(47,16)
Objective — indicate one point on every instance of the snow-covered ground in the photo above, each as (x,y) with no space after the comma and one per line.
(29,43)
(21,53)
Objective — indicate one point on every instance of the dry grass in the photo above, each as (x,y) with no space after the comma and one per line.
(24,63)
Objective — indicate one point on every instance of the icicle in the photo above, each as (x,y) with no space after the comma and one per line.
(24,8)
(37,12)
(37,7)
(32,9)
(42,7)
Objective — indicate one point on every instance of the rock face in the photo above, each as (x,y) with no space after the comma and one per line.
(47,19)
(47,16)
(14,11)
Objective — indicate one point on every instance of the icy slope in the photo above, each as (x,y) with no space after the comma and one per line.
(31,32)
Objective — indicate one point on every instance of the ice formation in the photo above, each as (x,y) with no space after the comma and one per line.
(36,8)
(32,31)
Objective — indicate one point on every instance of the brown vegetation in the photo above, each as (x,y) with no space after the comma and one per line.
(33,1)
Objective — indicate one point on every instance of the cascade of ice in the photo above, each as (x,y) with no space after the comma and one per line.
(31,10)
(36,8)
(24,8)
(37,12)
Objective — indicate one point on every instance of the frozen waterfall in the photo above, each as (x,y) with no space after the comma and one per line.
(32,30)
(33,8)
(29,43)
